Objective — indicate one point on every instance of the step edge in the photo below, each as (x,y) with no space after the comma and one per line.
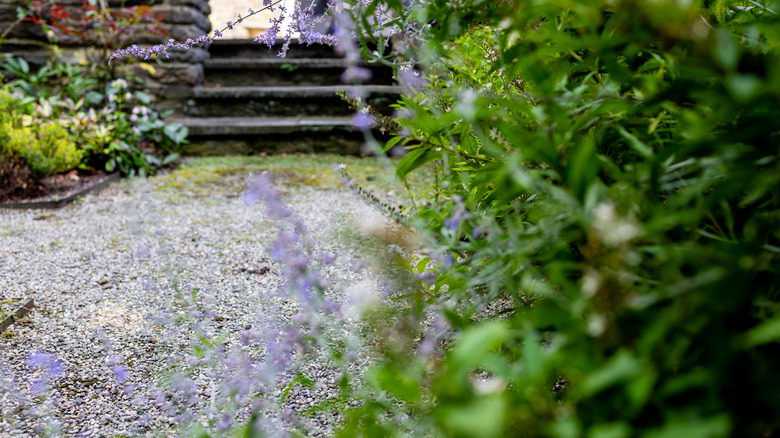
(309,90)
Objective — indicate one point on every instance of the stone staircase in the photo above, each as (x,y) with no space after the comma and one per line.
(252,101)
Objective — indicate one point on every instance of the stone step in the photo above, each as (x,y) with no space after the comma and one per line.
(233,126)
(248,48)
(283,101)
(257,63)
(231,72)
(255,135)
(290,91)
(253,101)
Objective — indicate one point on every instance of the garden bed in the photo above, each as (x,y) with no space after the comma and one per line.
(54,191)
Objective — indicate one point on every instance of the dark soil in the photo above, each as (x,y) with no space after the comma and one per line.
(17,184)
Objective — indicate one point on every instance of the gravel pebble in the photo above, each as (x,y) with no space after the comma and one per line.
(112,276)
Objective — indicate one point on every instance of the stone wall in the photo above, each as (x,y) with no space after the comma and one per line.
(170,80)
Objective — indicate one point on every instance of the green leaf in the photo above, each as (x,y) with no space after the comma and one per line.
(743,87)
(582,168)
(610,430)
(398,382)
(299,379)
(474,343)
(726,50)
(420,266)
(170,158)
(719,426)
(480,418)
(762,334)
(415,159)
(392,142)
(23,65)
(143,97)
(621,367)
(720,9)
(636,144)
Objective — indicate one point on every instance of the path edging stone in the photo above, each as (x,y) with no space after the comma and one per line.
(59,202)
(20,313)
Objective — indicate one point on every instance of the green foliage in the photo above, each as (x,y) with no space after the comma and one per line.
(45,148)
(609,191)
(114,126)
(127,135)
(54,80)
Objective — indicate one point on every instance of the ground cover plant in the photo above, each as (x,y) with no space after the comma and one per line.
(82,103)
(597,251)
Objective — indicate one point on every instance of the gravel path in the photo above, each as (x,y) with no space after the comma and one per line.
(113,277)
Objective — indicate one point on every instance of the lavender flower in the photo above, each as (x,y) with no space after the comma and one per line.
(224,422)
(50,367)
(260,189)
(364,121)
(120,373)
(410,78)
(355,75)
(459,215)
(162,50)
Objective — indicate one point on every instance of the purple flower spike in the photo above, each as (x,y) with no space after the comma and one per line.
(38,387)
(224,422)
(121,373)
(260,190)
(363,121)
(355,74)
(49,363)
(411,79)
(246,337)
(459,215)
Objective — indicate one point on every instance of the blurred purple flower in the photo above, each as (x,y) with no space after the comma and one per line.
(328,258)
(411,79)
(459,215)
(428,277)
(363,121)
(355,75)
(48,363)
(245,337)
(224,422)
(38,387)
(260,190)
(330,306)
(120,373)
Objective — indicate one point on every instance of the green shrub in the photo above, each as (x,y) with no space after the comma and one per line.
(114,125)
(12,109)
(45,148)
(609,194)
